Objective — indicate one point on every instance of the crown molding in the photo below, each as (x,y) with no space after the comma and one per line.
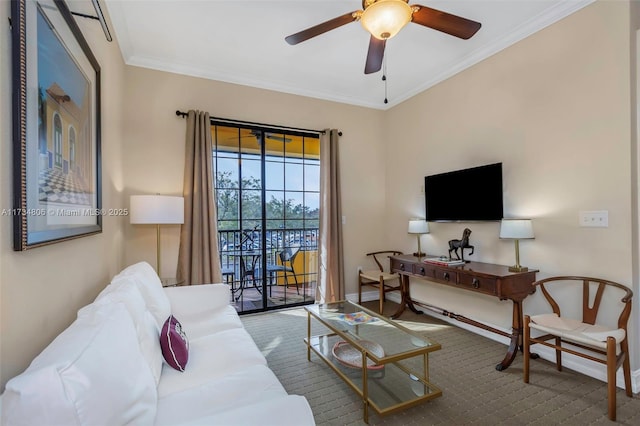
(537,23)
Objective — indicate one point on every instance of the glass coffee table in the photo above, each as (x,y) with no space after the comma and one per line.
(383,362)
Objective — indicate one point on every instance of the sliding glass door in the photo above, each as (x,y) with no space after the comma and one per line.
(267,187)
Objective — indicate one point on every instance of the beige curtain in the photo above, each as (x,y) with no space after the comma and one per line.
(198,260)
(331,268)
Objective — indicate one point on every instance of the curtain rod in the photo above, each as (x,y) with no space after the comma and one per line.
(251,123)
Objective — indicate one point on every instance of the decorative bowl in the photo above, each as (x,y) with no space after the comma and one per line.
(351,357)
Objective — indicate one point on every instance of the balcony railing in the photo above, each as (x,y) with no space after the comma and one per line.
(232,242)
(245,247)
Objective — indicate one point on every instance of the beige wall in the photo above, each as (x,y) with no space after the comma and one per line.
(634,37)
(154,162)
(555,110)
(41,289)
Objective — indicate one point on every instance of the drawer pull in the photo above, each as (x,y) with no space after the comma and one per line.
(402,266)
(446,276)
(476,283)
(422,271)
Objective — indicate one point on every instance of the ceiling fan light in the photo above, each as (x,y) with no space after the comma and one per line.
(385,18)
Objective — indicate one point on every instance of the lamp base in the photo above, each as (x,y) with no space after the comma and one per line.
(518,268)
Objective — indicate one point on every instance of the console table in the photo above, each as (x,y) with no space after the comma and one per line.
(483,278)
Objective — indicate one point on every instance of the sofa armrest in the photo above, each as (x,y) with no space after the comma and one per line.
(195,299)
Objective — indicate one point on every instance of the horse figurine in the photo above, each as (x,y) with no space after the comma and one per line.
(462,244)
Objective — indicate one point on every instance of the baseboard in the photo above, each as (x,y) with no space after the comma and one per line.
(569,361)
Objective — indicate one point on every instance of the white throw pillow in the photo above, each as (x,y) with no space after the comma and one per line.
(126,291)
(91,374)
(151,290)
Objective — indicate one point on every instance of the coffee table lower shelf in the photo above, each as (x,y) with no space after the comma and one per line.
(387,390)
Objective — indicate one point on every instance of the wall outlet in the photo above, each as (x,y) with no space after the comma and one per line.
(594,218)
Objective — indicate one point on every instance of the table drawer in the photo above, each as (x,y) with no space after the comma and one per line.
(400,266)
(423,270)
(482,284)
(445,275)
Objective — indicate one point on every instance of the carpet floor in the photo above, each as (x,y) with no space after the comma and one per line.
(473,392)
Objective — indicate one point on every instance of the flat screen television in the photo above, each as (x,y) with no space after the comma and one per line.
(473,194)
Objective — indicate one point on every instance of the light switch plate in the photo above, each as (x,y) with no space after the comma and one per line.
(594,218)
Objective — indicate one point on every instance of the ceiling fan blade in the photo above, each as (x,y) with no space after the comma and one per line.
(445,22)
(374,55)
(322,28)
(278,138)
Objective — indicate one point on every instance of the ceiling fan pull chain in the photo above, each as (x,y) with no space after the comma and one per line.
(384,78)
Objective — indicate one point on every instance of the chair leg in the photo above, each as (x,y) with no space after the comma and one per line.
(558,354)
(359,289)
(525,349)
(626,368)
(381,286)
(295,278)
(611,377)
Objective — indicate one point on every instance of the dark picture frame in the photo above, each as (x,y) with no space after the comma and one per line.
(56,127)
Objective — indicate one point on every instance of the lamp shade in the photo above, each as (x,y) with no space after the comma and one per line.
(385,18)
(418,226)
(516,229)
(156,209)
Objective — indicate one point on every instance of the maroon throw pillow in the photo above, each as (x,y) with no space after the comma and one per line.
(174,344)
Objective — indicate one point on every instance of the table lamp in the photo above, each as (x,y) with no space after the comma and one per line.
(418,227)
(156,210)
(516,229)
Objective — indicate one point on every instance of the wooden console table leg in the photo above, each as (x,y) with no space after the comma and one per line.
(405,300)
(516,336)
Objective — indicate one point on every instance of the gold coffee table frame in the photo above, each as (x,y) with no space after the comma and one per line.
(397,385)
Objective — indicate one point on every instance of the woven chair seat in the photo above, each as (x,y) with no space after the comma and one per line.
(576,331)
(375,275)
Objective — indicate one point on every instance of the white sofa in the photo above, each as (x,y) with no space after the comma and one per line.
(107,367)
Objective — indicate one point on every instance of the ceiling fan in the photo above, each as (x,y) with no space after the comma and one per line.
(267,135)
(384,19)
(255,134)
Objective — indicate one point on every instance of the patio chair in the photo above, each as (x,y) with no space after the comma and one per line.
(228,275)
(287,258)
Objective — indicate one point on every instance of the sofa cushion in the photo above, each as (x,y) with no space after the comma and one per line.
(254,383)
(126,291)
(150,288)
(198,325)
(91,374)
(289,410)
(174,344)
(212,357)
(198,298)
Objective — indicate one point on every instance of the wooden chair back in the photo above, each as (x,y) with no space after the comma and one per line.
(379,255)
(590,311)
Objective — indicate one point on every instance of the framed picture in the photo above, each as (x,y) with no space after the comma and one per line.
(56,127)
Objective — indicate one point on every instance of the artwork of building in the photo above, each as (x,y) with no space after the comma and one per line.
(65,153)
